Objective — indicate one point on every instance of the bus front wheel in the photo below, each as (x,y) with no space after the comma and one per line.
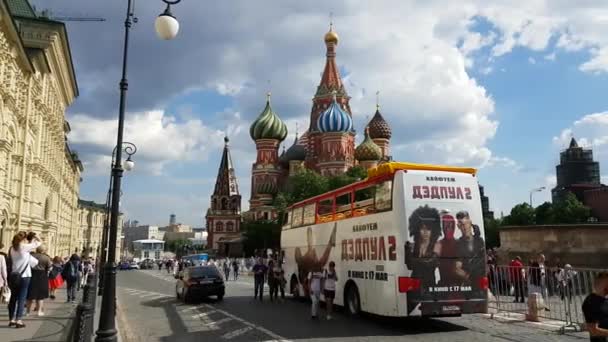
(353,303)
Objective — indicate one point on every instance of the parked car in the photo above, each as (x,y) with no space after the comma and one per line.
(195,283)
(147,264)
(133,266)
(123,266)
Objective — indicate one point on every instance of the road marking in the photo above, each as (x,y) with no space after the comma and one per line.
(253,325)
(203,314)
(236,333)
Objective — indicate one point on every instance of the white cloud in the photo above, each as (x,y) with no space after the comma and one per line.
(504,162)
(550,181)
(589,131)
(159,138)
(531,60)
(550,57)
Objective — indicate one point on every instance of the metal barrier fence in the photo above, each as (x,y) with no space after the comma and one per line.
(562,289)
(84,323)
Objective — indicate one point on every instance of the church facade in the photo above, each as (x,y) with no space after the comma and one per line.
(327,146)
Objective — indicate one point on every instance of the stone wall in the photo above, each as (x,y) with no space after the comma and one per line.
(581,245)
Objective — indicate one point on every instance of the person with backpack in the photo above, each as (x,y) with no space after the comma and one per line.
(71,273)
(19,275)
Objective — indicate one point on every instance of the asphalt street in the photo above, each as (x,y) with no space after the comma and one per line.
(152,313)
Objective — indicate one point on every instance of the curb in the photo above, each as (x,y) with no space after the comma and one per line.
(125,333)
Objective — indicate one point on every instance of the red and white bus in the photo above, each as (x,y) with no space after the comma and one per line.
(407,241)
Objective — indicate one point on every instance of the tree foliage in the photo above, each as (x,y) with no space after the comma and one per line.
(545,213)
(305,184)
(261,235)
(492,236)
(571,210)
(521,215)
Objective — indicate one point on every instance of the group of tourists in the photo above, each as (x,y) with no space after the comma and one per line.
(28,276)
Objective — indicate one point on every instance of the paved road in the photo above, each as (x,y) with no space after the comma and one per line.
(147,299)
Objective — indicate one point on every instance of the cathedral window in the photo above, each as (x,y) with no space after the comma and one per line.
(230,226)
(219,226)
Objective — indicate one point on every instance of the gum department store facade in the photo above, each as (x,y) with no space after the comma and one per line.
(39,175)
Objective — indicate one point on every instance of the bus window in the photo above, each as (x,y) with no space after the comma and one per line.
(296,220)
(384,196)
(287,219)
(364,201)
(309,214)
(325,210)
(343,206)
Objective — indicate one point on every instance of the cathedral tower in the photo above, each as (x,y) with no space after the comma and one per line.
(330,92)
(224,215)
(380,132)
(268,131)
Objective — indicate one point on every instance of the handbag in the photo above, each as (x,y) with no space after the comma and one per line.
(14,278)
(5,294)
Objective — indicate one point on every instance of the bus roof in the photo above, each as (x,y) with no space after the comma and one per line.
(392,167)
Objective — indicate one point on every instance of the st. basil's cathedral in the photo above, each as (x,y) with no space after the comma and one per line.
(327,147)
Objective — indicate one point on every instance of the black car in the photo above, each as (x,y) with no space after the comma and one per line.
(198,282)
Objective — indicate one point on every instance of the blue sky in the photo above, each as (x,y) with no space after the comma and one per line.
(477,83)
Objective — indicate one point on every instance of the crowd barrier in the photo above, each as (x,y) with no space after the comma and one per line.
(560,292)
(84,323)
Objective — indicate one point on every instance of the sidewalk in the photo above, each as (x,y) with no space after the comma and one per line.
(53,327)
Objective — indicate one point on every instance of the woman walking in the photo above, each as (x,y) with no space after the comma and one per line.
(272,283)
(39,285)
(71,274)
(329,290)
(21,274)
(55,278)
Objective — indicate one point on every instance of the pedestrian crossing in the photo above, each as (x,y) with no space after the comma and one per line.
(163,275)
(205,318)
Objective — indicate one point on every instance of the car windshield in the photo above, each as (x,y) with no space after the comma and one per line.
(201,272)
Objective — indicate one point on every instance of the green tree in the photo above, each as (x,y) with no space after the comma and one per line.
(261,235)
(492,236)
(521,215)
(545,213)
(357,172)
(571,210)
(305,184)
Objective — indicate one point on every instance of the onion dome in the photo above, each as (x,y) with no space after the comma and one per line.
(267,188)
(335,119)
(378,127)
(268,125)
(331,36)
(368,150)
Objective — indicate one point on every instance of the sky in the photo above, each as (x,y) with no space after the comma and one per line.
(497,85)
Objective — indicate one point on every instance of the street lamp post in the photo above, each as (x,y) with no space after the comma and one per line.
(533,191)
(129,149)
(166,28)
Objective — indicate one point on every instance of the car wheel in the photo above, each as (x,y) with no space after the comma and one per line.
(220,296)
(353,302)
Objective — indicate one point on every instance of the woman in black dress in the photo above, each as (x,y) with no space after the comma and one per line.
(39,285)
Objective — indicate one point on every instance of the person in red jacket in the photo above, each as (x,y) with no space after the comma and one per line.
(516,275)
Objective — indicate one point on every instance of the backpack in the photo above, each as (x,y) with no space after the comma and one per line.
(70,271)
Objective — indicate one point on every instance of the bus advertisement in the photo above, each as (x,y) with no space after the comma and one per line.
(406,241)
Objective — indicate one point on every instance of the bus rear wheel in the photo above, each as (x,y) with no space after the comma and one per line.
(352,300)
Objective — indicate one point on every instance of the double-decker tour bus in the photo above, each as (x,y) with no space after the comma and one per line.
(407,241)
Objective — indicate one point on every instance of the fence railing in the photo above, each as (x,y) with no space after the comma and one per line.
(84,322)
(562,289)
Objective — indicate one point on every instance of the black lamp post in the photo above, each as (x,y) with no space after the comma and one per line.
(166,28)
(129,149)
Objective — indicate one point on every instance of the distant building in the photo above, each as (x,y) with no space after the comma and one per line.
(172,219)
(145,232)
(148,249)
(597,200)
(485,205)
(577,172)
(224,215)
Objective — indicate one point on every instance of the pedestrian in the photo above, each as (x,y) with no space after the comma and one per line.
(5,292)
(516,275)
(235,270)
(538,279)
(70,274)
(329,289)
(259,272)
(226,270)
(595,309)
(315,280)
(39,285)
(55,278)
(279,276)
(20,275)
(86,270)
(565,279)
(272,282)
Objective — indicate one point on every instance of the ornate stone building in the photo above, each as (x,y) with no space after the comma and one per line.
(39,174)
(328,146)
(224,216)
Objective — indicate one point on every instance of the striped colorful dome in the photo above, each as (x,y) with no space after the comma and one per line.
(268,125)
(368,150)
(335,119)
